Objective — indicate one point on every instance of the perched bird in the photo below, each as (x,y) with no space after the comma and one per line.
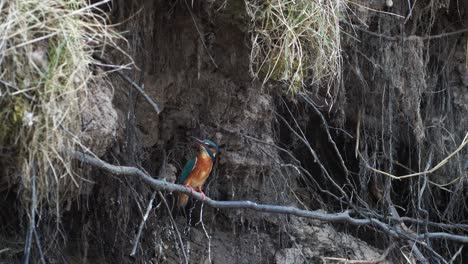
(197,169)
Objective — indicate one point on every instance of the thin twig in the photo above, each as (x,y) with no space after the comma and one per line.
(134,85)
(30,42)
(141,91)
(456,254)
(32,222)
(142,224)
(438,166)
(18,90)
(417,221)
(95,5)
(342,217)
(300,168)
(358,133)
(372,261)
(174,224)
(327,131)
(402,227)
(313,153)
(39,247)
(206,234)
(200,34)
(398,38)
(375,10)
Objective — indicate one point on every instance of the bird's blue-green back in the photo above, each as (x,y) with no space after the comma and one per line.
(187,169)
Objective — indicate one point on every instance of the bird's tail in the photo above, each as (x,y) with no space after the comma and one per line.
(183,198)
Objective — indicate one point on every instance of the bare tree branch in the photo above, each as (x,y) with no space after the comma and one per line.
(174,224)
(142,224)
(410,38)
(456,254)
(429,171)
(32,223)
(342,217)
(327,131)
(134,85)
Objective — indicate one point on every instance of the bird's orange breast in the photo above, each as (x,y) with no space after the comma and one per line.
(200,172)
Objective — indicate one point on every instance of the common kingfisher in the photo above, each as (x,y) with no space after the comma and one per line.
(197,169)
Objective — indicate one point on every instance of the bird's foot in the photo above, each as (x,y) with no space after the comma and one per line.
(203,195)
(190,188)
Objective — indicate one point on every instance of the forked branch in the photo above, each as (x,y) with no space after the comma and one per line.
(342,217)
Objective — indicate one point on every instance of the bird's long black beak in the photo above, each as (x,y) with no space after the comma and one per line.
(197,139)
(199,142)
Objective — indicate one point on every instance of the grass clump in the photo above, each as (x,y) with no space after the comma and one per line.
(46,49)
(293,40)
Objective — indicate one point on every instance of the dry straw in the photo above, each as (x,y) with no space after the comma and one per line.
(292,40)
(46,49)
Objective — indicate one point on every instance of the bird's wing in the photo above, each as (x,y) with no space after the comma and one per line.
(187,169)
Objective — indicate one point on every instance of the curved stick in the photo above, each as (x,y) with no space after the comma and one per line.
(342,217)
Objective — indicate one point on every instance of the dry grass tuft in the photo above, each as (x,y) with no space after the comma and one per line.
(293,40)
(46,49)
